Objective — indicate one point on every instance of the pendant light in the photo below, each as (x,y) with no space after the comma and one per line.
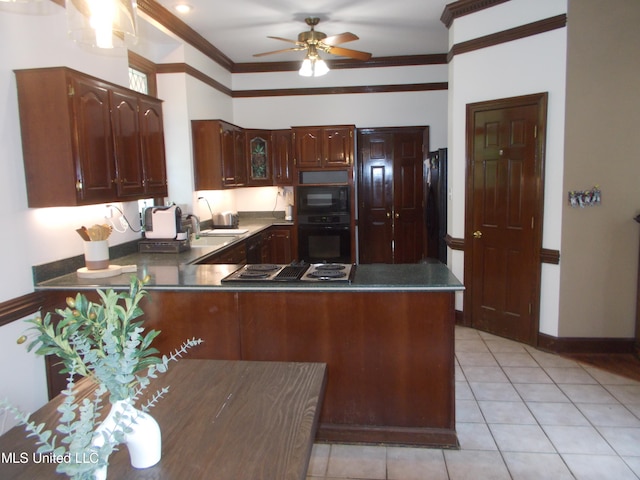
(104,24)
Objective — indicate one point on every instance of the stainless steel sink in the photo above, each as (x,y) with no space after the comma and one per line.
(213,241)
(224,232)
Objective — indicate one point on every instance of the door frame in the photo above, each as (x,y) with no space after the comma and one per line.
(540,101)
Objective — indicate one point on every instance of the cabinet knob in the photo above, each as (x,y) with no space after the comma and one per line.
(388,214)
(477,234)
(397,215)
(78,185)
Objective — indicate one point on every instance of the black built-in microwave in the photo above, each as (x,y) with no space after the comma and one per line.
(323,199)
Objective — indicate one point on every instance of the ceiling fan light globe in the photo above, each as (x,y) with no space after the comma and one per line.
(306,70)
(321,68)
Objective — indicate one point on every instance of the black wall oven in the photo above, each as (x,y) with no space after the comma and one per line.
(324,243)
(324,223)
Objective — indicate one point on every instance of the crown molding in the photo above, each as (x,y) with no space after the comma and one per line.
(281,92)
(505,36)
(375,62)
(465,7)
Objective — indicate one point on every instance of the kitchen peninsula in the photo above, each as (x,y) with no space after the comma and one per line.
(387,337)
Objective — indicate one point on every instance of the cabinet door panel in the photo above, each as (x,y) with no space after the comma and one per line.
(280,250)
(228,157)
(282,158)
(127,144)
(337,146)
(308,148)
(239,157)
(153,154)
(94,147)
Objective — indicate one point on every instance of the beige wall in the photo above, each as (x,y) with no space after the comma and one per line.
(599,252)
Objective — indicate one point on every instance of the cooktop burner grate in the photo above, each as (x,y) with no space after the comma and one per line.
(330,267)
(324,274)
(262,267)
(254,274)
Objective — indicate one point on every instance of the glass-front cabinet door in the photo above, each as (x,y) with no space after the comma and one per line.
(259,156)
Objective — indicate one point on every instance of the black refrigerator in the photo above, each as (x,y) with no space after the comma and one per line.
(436,204)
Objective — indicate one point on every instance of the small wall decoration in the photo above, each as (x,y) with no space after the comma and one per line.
(585,198)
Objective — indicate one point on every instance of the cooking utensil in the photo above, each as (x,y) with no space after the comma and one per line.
(95,233)
(82,231)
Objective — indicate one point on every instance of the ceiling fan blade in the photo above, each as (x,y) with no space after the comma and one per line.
(346,52)
(284,39)
(340,38)
(293,49)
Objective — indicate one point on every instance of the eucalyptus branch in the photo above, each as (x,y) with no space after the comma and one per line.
(186,345)
(154,399)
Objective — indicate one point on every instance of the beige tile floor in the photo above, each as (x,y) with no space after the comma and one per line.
(520,414)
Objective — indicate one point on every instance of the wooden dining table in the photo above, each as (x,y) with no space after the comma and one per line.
(220,420)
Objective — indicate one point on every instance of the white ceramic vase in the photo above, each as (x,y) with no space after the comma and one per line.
(144,442)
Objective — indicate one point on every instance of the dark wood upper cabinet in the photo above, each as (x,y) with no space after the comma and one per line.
(282,157)
(82,140)
(323,147)
(218,155)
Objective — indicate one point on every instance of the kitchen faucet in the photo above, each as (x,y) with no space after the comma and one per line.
(196,231)
(209,207)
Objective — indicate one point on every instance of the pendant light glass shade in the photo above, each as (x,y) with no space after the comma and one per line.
(102,23)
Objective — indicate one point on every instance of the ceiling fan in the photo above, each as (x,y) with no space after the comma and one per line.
(314,42)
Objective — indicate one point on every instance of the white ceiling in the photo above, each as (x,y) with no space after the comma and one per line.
(239,28)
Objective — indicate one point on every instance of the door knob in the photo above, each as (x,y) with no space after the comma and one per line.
(477,234)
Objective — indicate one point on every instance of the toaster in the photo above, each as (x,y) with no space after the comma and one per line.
(226,220)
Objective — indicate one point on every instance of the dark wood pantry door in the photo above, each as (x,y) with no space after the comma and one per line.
(391,194)
(503,232)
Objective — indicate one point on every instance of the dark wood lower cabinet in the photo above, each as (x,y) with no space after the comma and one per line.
(389,355)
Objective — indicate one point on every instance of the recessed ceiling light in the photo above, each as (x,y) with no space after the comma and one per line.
(183,8)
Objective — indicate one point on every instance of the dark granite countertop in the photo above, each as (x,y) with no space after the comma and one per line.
(172,276)
(179,271)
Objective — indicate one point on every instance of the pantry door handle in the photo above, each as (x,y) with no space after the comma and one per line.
(477,234)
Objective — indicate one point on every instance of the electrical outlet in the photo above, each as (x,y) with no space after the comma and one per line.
(109,213)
